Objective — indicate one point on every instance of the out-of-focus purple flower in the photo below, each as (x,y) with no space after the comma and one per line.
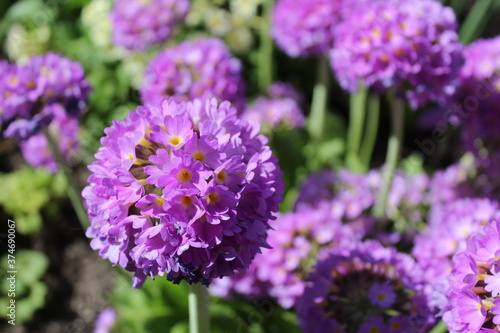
(473,293)
(64,130)
(281,107)
(449,227)
(105,320)
(476,106)
(296,241)
(305,27)
(339,290)
(29,94)
(194,69)
(182,189)
(139,24)
(409,45)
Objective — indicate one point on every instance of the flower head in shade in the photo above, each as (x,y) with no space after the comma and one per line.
(194,69)
(281,107)
(183,190)
(476,106)
(449,227)
(474,293)
(30,95)
(105,320)
(305,27)
(296,239)
(365,288)
(400,44)
(139,24)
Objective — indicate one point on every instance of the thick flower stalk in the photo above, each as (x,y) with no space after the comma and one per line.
(305,27)
(139,24)
(194,69)
(296,240)
(282,107)
(183,190)
(367,288)
(474,294)
(410,45)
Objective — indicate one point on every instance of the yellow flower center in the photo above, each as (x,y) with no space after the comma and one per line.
(381,297)
(212,198)
(160,201)
(186,201)
(184,175)
(221,176)
(175,140)
(199,156)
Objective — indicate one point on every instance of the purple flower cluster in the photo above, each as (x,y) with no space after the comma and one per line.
(183,190)
(364,288)
(139,24)
(194,69)
(449,227)
(281,107)
(49,90)
(474,295)
(399,44)
(296,240)
(305,27)
(476,106)
(105,320)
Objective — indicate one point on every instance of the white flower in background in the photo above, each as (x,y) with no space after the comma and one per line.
(21,44)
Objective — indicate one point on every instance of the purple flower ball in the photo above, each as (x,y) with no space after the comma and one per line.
(182,189)
(282,107)
(194,69)
(474,293)
(139,24)
(296,240)
(449,227)
(105,320)
(400,44)
(476,106)
(305,27)
(29,94)
(363,287)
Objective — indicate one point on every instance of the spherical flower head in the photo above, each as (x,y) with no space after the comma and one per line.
(31,93)
(295,241)
(282,107)
(305,27)
(449,227)
(182,189)
(194,69)
(139,24)
(357,287)
(476,107)
(474,291)
(398,44)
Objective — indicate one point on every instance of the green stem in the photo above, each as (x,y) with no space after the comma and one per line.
(373,115)
(199,320)
(357,112)
(266,48)
(476,21)
(317,117)
(393,151)
(441,327)
(74,192)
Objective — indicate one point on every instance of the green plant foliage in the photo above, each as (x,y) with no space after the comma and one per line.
(30,291)
(25,192)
